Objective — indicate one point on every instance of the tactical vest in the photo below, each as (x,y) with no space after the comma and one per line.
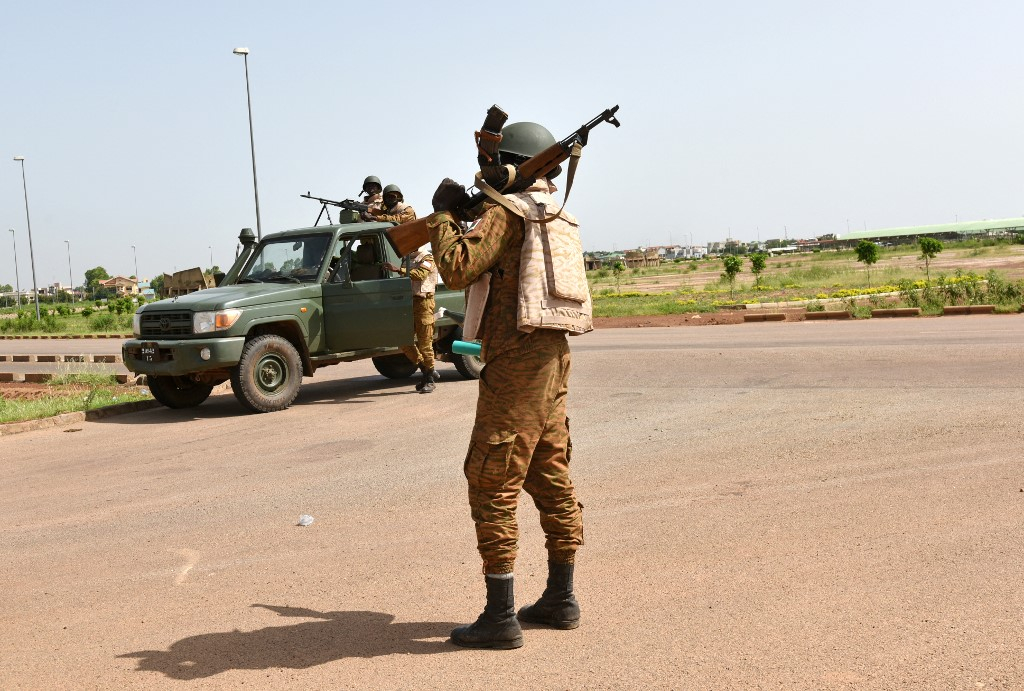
(429,284)
(553,290)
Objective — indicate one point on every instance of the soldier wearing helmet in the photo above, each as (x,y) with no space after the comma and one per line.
(394,207)
(372,196)
(520,438)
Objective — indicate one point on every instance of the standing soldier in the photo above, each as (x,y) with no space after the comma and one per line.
(520,439)
(394,208)
(419,266)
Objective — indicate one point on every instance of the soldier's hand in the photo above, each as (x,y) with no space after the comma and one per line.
(449,195)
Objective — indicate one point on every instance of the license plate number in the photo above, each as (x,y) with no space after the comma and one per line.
(148,352)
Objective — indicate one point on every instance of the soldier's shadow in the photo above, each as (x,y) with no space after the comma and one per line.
(334,636)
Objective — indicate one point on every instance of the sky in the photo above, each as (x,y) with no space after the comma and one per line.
(740,119)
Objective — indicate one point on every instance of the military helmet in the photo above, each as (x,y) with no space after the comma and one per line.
(525,139)
(394,188)
(371,179)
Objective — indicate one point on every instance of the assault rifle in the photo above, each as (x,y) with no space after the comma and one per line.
(408,236)
(347,204)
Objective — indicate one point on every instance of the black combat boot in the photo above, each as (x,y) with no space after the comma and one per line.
(434,376)
(557,607)
(497,627)
(426,384)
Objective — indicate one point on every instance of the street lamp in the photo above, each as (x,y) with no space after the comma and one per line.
(28,222)
(136,256)
(17,279)
(244,52)
(70,274)
(210,247)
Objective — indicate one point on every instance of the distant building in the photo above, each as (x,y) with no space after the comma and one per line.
(942,231)
(121,286)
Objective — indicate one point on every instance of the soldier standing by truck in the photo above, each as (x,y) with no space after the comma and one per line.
(420,267)
(520,439)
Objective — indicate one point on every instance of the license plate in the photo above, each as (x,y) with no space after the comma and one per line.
(148,352)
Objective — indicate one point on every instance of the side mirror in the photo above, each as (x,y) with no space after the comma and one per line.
(218,278)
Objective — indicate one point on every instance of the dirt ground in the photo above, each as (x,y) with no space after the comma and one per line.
(793,314)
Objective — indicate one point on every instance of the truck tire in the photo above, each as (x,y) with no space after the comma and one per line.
(394,366)
(268,375)
(469,366)
(178,392)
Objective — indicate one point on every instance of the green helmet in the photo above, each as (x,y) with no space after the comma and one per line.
(371,179)
(397,190)
(525,139)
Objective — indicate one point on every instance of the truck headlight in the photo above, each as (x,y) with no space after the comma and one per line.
(137,324)
(205,322)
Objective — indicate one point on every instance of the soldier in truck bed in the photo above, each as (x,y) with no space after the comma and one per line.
(394,208)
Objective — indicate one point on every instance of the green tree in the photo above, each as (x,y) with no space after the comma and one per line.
(618,268)
(157,284)
(93,278)
(6,288)
(867,253)
(930,248)
(733,265)
(757,264)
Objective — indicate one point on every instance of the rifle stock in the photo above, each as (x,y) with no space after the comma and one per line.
(410,236)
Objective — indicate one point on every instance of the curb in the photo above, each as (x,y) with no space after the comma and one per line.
(9,428)
(969,309)
(64,336)
(832,314)
(765,317)
(897,312)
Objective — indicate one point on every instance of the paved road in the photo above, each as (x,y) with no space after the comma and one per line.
(61,346)
(795,505)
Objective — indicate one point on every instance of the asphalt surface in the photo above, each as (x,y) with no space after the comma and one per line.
(786,505)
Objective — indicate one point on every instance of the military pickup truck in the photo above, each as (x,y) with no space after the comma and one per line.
(292,303)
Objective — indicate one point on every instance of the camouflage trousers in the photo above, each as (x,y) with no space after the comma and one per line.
(521,441)
(422,351)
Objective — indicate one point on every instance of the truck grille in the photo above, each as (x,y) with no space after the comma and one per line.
(166,324)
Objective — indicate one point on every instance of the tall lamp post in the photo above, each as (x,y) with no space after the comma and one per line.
(136,257)
(17,279)
(71,276)
(244,52)
(28,222)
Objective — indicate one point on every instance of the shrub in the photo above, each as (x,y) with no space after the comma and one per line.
(103,322)
(88,312)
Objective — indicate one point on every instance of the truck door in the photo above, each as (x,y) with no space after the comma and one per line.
(365,305)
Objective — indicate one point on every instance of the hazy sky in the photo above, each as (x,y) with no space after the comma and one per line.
(738,118)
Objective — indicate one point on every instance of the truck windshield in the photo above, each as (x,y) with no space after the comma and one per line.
(293,259)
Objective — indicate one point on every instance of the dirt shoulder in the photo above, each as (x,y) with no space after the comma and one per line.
(793,314)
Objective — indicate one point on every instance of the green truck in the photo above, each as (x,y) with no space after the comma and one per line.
(292,303)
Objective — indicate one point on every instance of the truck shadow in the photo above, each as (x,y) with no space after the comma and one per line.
(352,390)
(334,636)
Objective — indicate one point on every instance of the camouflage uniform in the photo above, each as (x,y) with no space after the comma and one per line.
(399,213)
(374,201)
(520,439)
(420,268)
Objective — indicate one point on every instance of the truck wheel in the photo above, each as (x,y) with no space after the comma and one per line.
(469,366)
(394,366)
(268,374)
(178,392)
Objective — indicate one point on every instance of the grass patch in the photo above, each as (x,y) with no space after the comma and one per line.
(26,324)
(66,399)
